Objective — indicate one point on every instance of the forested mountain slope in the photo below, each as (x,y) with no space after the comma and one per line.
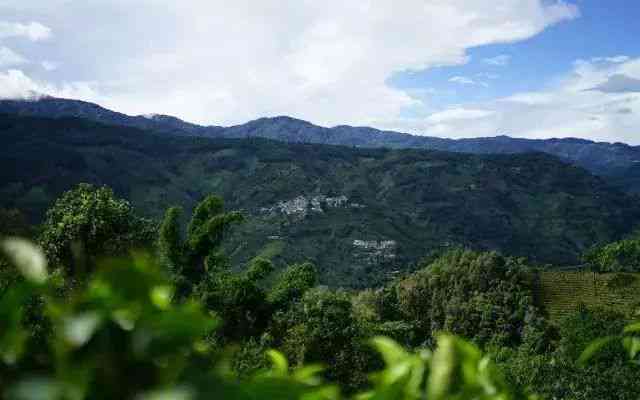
(359,214)
(611,160)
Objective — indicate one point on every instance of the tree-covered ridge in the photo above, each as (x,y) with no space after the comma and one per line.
(360,215)
(617,162)
(178,321)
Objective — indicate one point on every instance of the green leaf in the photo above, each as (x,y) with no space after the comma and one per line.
(595,347)
(632,345)
(633,328)
(442,368)
(125,318)
(280,365)
(391,352)
(28,258)
(308,374)
(161,296)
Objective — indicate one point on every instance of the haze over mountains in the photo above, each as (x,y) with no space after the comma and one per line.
(618,162)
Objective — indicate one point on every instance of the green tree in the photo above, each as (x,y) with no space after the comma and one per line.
(199,252)
(292,284)
(621,256)
(481,296)
(561,372)
(321,328)
(238,299)
(88,223)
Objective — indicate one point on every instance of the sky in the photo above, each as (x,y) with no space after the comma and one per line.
(448,68)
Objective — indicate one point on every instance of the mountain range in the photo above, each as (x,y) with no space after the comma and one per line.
(361,214)
(618,162)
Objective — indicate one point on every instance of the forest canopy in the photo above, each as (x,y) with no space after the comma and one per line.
(103,303)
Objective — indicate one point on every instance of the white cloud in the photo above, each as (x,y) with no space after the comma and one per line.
(619,83)
(614,59)
(214,61)
(567,109)
(49,65)
(10,58)
(498,61)
(33,31)
(464,80)
(459,114)
(15,84)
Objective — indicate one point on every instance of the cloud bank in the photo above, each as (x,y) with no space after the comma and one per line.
(599,99)
(33,31)
(226,62)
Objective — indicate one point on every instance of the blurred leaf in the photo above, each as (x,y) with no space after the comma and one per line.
(36,389)
(633,328)
(161,296)
(442,368)
(12,334)
(391,352)
(179,393)
(308,374)
(125,318)
(632,345)
(595,347)
(79,329)
(280,365)
(28,258)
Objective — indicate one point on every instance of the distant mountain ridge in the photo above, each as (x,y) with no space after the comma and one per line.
(360,214)
(618,161)
(52,107)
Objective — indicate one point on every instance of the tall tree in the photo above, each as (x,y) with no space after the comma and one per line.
(88,223)
(199,252)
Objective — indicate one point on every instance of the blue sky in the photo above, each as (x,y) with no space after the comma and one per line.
(454,68)
(605,28)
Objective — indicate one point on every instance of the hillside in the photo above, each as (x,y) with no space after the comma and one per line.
(359,214)
(611,160)
(561,293)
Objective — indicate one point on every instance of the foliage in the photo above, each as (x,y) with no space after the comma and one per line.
(482,296)
(200,252)
(630,340)
(321,328)
(455,370)
(559,373)
(88,223)
(621,256)
(292,284)
(121,337)
(238,299)
(188,323)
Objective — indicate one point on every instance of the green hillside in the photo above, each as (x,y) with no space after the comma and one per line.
(361,215)
(561,293)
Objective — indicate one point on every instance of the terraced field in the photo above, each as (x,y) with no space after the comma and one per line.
(560,293)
